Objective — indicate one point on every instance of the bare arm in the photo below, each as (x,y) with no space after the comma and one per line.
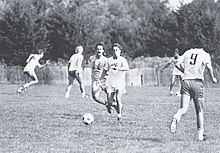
(166,66)
(210,69)
(179,67)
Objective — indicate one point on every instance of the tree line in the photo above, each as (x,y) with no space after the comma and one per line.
(142,27)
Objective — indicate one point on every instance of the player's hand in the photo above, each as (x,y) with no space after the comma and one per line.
(214,80)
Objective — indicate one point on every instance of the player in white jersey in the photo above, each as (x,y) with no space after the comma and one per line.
(98,65)
(193,64)
(74,71)
(32,63)
(176,73)
(117,67)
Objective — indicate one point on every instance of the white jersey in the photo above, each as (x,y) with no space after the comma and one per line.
(175,70)
(194,62)
(116,78)
(76,62)
(32,62)
(98,65)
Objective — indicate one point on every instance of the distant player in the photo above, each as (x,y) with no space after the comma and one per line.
(176,73)
(98,65)
(193,64)
(74,71)
(32,63)
(117,67)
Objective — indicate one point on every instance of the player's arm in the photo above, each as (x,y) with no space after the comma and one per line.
(210,70)
(79,64)
(29,58)
(124,66)
(179,67)
(166,66)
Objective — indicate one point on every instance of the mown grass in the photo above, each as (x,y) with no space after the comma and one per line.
(43,121)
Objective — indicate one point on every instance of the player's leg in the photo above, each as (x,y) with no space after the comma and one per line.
(119,104)
(96,92)
(173,78)
(200,117)
(71,78)
(180,82)
(34,78)
(180,112)
(81,85)
(110,96)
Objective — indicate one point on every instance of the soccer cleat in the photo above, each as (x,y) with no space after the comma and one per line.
(18,92)
(173,125)
(171,93)
(119,117)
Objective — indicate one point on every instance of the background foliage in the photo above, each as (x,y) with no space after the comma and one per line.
(143,27)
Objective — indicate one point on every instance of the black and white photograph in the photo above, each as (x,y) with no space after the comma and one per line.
(109,76)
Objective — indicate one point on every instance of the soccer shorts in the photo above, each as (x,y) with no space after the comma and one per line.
(194,88)
(112,88)
(73,75)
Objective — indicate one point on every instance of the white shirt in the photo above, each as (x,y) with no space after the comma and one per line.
(116,78)
(32,62)
(98,65)
(175,70)
(76,62)
(194,62)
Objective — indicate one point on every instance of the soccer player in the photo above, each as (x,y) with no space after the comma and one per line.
(193,63)
(117,66)
(74,71)
(176,73)
(32,62)
(98,65)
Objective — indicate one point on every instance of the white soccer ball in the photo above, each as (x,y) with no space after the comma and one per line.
(88,118)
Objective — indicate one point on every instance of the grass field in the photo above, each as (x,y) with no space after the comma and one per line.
(43,121)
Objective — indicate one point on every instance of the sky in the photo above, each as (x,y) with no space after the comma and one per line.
(176,3)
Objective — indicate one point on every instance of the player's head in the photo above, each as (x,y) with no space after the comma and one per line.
(198,41)
(176,53)
(79,49)
(41,52)
(117,48)
(99,49)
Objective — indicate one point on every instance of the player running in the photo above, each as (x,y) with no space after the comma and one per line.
(98,65)
(32,63)
(117,67)
(74,71)
(176,73)
(193,63)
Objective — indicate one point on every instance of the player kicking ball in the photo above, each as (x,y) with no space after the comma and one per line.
(29,69)
(115,83)
(193,63)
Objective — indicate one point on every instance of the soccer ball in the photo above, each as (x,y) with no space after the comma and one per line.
(87,118)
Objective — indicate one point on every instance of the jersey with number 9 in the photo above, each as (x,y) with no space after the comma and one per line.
(194,62)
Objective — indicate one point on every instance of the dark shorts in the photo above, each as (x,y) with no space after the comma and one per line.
(193,88)
(73,75)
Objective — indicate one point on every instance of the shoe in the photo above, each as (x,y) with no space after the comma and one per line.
(119,117)
(203,137)
(178,94)
(18,92)
(171,93)
(85,95)
(67,95)
(173,125)
(24,89)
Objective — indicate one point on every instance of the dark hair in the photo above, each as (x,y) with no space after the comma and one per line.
(100,44)
(40,51)
(198,40)
(117,45)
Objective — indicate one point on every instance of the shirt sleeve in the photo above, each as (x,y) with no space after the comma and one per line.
(207,59)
